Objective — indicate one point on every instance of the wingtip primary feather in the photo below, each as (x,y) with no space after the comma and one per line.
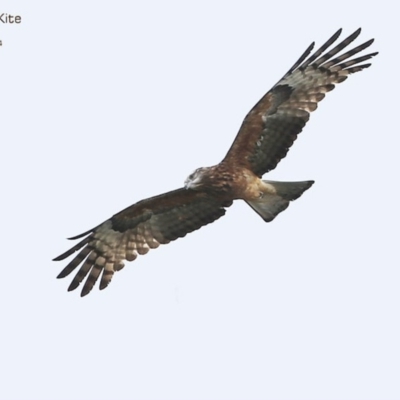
(369,42)
(354,35)
(338,33)
(73,249)
(62,274)
(81,235)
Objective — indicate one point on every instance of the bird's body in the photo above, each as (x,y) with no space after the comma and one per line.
(264,138)
(232,181)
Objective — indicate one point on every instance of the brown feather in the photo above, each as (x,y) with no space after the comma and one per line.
(271,127)
(137,229)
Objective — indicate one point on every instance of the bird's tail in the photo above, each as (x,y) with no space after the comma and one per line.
(269,206)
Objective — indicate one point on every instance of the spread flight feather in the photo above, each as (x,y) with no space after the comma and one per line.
(266,134)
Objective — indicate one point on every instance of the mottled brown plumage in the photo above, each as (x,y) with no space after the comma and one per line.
(272,126)
(264,138)
(137,229)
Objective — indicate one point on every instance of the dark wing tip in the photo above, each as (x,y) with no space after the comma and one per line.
(66,254)
(358,68)
(73,285)
(85,292)
(72,250)
(62,274)
(354,35)
(82,234)
(337,33)
(334,37)
(369,42)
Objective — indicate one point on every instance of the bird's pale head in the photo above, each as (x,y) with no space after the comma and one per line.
(196,179)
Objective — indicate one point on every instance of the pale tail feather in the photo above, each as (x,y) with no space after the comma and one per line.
(271,205)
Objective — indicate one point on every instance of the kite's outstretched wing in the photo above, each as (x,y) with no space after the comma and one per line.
(137,229)
(271,127)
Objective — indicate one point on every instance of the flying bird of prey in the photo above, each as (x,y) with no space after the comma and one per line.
(264,138)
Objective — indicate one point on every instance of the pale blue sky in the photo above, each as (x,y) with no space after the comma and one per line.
(103,104)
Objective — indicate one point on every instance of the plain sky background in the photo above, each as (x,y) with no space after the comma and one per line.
(103,104)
